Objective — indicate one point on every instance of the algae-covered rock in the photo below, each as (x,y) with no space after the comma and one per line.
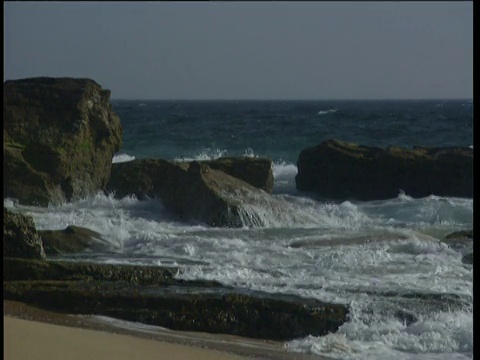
(70,240)
(141,176)
(144,178)
(20,239)
(152,295)
(34,270)
(340,170)
(60,135)
(192,190)
(460,235)
(255,171)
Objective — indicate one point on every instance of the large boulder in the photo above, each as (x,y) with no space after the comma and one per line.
(60,135)
(193,190)
(20,239)
(340,170)
(144,178)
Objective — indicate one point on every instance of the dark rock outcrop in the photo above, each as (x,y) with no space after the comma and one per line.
(340,170)
(70,240)
(20,239)
(193,190)
(60,135)
(151,295)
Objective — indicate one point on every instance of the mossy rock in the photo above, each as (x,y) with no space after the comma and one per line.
(60,136)
(191,190)
(340,170)
(153,296)
(20,239)
(73,239)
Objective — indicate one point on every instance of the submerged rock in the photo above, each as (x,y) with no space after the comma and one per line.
(70,240)
(193,190)
(151,295)
(468,258)
(60,135)
(461,241)
(20,239)
(459,236)
(340,170)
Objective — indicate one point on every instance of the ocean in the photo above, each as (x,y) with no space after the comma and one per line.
(410,295)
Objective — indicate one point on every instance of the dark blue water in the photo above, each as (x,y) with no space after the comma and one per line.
(281,129)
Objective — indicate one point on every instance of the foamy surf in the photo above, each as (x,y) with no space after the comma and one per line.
(348,252)
(329,111)
(120,158)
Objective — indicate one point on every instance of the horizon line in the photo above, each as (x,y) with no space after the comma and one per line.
(333,99)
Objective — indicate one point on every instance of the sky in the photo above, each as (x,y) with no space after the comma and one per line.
(247,50)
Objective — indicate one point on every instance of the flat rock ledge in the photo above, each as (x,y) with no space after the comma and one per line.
(152,295)
(340,170)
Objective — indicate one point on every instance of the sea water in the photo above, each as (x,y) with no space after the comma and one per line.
(409,294)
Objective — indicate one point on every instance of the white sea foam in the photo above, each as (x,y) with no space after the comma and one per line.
(205,154)
(249,153)
(120,158)
(284,174)
(348,252)
(329,111)
(446,335)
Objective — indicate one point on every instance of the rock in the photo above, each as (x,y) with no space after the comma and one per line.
(340,170)
(459,236)
(467,258)
(461,241)
(255,171)
(36,270)
(141,176)
(144,178)
(152,295)
(20,239)
(60,135)
(192,190)
(70,240)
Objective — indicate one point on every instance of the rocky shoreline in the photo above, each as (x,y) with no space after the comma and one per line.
(59,139)
(151,295)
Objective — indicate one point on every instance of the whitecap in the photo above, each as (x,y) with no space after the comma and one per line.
(329,111)
(205,154)
(120,158)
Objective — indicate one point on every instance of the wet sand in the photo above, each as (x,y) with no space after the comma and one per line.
(32,333)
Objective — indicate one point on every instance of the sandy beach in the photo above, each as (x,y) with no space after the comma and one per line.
(25,339)
(31,333)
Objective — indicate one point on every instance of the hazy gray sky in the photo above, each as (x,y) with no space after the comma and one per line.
(247,50)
